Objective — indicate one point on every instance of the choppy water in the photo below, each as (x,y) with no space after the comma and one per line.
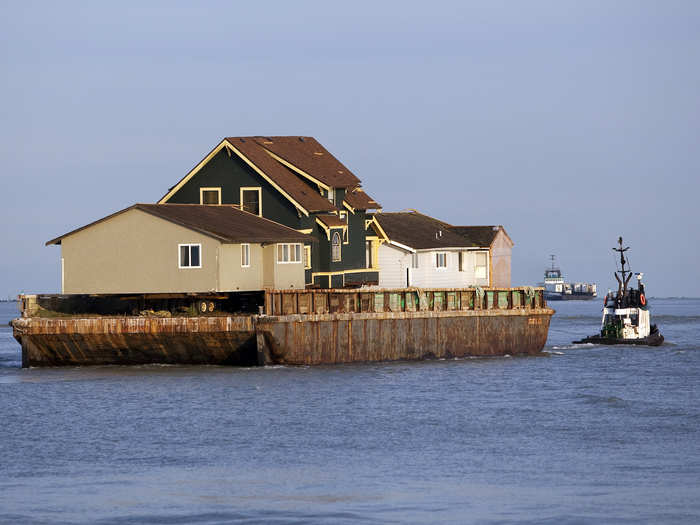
(590,434)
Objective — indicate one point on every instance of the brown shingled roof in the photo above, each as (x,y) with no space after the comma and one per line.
(307,154)
(359,200)
(226,223)
(289,181)
(420,231)
(482,236)
(331,221)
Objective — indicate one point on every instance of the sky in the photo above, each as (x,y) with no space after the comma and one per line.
(570,123)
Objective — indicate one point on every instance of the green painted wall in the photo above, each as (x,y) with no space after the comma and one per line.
(230,174)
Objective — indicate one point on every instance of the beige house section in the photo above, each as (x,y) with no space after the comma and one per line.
(233,276)
(281,275)
(136,252)
(501,250)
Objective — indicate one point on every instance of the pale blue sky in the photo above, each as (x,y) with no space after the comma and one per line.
(570,123)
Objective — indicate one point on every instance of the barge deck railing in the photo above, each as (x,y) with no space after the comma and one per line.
(322,301)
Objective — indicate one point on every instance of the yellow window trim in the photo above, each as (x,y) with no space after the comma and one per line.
(202,190)
(341,272)
(251,188)
(327,229)
(307,252)
(226,144)
(299,171)
(346,230)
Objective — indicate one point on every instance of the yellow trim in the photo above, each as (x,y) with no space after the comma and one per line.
(299,171)
(307,254)
(205,160)
(328,229)
(340,272)
(306,230)
(250,188)
(193,172)
(375,255)
(371,237)
(352,210)
(346,230)
(202,190)
(268,179)
(379,228)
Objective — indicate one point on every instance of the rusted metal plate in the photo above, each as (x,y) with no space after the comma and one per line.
(392,336)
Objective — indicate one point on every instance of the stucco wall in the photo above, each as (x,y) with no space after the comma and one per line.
(394,261)
(232,276)
(281,275)
(501,251)
(135,252)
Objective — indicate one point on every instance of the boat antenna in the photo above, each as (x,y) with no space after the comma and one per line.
(622,284)
(552,257)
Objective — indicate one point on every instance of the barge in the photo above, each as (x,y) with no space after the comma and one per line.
(297,327)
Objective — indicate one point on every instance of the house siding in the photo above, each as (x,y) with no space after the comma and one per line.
(231,174)
(394,263)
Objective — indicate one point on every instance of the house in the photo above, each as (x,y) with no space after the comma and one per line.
(176,248)
(296,182)
(417,250)
(500,247)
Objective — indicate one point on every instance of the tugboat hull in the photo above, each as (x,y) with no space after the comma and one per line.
(653,339)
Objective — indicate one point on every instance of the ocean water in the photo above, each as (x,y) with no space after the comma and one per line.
(589,434)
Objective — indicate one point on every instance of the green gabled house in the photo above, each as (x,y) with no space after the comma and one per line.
(296,182)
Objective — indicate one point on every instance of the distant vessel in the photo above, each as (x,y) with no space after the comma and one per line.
(626,318)
(555,289)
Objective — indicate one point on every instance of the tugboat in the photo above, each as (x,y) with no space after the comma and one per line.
(555,289)
(626,317)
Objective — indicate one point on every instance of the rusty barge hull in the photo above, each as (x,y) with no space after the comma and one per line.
(291,340)
(349,338)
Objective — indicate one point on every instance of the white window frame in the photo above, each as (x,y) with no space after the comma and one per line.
(179,259)
(414,260)
(201,195)
(442,255)
(291,256)
(485,266)
(339,257)
(245,255)
(331,195)
(252,188)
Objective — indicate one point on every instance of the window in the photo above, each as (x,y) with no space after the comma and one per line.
(307,257)
(414,260)
(480,265)
(289,253)
(209,195)
(369,263)
(344,217)
(245,255)
(441,260)
(461,261)
(250,201)
(190,255)
(331,195)
(335,247)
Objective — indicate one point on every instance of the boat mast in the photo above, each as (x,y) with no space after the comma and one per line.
(622,284)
